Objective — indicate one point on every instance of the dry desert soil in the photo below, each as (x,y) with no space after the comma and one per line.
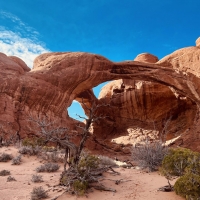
(135,184)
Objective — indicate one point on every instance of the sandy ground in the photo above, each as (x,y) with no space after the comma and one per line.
(135,184)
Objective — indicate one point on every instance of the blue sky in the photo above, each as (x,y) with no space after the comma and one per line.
(116,29)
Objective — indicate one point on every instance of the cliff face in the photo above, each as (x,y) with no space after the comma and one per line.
(140,95)
(146,105)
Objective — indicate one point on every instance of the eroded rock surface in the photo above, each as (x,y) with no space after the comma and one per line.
(58,78)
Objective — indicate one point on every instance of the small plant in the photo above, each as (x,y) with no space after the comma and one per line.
(29,150)
(38,193)
(149,155)
(17,160)
(4,157)
(52,156)
(10,178)
(4,172)
(80,187)
(88,161)
(33,142)
(49,148)
(82,177)
(48,167)
(36,178)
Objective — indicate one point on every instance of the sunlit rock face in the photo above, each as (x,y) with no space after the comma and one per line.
(198,42)
(140,96)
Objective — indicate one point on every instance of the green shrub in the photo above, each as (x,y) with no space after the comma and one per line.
(88,161)
(33,142)
(194,166)
(80,177)
(188,186)
(185,164)
(176,162)
(80,187)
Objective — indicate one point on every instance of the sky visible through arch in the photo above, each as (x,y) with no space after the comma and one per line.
(118,30)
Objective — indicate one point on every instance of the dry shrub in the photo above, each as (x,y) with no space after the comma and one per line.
(149,155)
(17,160)
(48,167)
(37,178)
(38,193)
(4,172)
(10,178)
(4,157)
(30,150)
(53,156)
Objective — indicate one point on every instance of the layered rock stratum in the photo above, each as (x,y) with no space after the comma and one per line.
(145,94)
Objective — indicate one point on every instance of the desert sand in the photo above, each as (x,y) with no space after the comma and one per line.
(135,184)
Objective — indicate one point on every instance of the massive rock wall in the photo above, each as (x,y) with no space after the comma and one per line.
(58,78)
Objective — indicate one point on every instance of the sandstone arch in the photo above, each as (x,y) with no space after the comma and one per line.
(58,78)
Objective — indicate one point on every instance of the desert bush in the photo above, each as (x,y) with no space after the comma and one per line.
(194,164)
(48,167)
(4,157)
(188,186)
(149,155)
(52,156)
(33,142)
(80,187)
(4,172)
(106,161)
(86,173)
(10,178)
(30,150)
(36,178)
(176,161)
(17,160)
(38,193)
(88,161)
(185,164)
(49,148)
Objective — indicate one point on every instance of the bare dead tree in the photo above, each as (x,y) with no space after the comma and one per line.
(76,173)
(60,136)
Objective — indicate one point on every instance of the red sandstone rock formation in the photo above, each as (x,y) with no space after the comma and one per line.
(58,78)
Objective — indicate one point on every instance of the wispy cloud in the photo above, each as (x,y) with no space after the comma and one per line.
(21,41)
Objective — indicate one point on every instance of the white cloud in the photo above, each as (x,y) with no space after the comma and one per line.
(26,47)
(13,44)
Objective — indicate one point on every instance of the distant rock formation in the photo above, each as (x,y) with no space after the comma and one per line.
(146,90)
